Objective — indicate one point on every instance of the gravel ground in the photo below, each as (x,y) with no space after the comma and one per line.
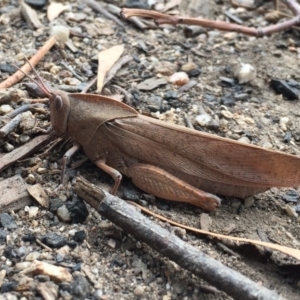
(69,251)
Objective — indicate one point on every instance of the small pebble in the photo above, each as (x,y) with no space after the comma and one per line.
(227,114)
(8,147)
(249,201)
(283,123)
(179,78)
(5,109)
(291,211)
(30,179)
(63,213)
(139,291)
(188,67)
(203,120)
(244,140)
(291,196)
(244,72)
(32,211)
(32,256)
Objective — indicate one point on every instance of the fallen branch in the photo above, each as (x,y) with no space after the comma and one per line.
(19,153)
(161,18)
(188,257)
(101,9)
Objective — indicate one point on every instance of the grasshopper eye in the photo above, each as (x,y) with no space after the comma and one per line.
(58,103)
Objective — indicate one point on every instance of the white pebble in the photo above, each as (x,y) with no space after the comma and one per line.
(32,211)
(244,72)
(62,33)
(283,123)
(203,120)
(5,109)
(63,213)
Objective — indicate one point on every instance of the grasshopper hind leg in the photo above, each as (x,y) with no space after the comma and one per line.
(160,183)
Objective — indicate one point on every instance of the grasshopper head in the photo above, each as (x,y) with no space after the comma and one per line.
(59,103)
(59,111)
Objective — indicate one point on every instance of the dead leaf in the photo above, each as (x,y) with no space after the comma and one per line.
(171,4)
(13,194)
(55,9)
(106,59)
(38,193)
(31,17)
(151,84)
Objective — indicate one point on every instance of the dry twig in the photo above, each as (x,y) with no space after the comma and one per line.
(161,18)
(132,221)
(17,76)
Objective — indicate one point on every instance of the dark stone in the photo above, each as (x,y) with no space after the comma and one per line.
(194,72)
(287,88)
(7,221)
(118,262)
(142,4)
(29,238)
(65,287)
(228,101)
(227,80)
(36,3)
(79,236)
(7,68)
(72,244)
(297,208)
(291,196)
(287,137)
(227,69)
(3,235)
(78,210)
(55,204)
(53,240)
(154,103)
(80,287)
(248,134)
(42,278)
(170,95)
(77,267)
(8,287)
(10,252)
(281,44)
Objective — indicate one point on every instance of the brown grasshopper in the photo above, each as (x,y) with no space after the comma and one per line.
(163,159)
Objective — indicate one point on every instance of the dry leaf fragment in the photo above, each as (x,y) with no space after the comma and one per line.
(57,274)
(55,9)
(13,194)
(38,193)
(151,84)
(106,59)
(31,17)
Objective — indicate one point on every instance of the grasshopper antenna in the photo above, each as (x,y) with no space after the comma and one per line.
(40,82)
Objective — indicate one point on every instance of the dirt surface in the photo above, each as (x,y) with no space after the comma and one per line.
(113,264)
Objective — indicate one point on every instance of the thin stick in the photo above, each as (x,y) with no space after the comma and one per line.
(161,18)
(132,221)
(10,126)
(17,76)
(101,9)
